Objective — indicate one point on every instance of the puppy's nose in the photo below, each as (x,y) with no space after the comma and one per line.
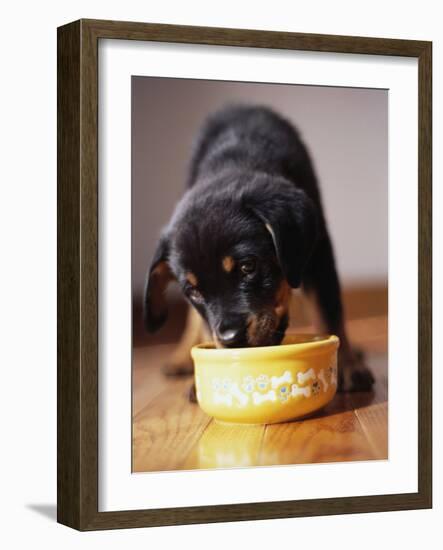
(229,336)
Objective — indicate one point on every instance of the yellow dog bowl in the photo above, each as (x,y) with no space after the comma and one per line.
(266,384)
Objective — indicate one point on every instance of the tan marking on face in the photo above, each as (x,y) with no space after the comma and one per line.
(191,278)
(252,328)
(282,299)
(228,264)
(260,328)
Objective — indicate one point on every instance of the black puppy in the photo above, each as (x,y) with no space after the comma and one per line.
(249,227)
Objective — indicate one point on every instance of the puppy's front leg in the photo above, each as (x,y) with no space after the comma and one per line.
(180,363)
(322,288)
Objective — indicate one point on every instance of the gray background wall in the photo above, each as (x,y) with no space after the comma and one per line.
(346,130)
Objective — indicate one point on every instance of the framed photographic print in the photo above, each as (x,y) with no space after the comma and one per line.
(244,275)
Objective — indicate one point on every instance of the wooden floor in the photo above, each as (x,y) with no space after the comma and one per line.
(170,433)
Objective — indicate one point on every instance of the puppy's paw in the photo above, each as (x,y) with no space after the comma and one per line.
(192,394)
(354,375)
(178,368)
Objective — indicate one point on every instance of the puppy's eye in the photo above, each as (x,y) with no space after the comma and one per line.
(195,295)
(248,267)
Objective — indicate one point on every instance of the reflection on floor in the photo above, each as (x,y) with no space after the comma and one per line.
(170,433)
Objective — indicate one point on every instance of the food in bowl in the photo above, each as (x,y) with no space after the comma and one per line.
(264,385)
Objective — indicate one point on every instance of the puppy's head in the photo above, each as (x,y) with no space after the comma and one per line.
(236,248)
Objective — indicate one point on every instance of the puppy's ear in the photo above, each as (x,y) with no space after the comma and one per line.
(155,310)
(290,216)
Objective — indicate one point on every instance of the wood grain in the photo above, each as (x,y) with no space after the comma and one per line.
(147,382)
(165,430)
(374,422)
(77,386)
(252,38)
(336,435)
(425,273)
(69,402)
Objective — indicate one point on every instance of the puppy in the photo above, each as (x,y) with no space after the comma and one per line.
(249,228)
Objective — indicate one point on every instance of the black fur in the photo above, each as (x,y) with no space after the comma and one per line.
(251,195)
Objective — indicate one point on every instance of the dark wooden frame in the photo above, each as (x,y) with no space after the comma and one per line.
(77,428)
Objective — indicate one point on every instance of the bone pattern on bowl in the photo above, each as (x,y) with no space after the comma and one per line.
(264,388)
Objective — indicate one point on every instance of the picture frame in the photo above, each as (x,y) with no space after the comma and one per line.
(77,276)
